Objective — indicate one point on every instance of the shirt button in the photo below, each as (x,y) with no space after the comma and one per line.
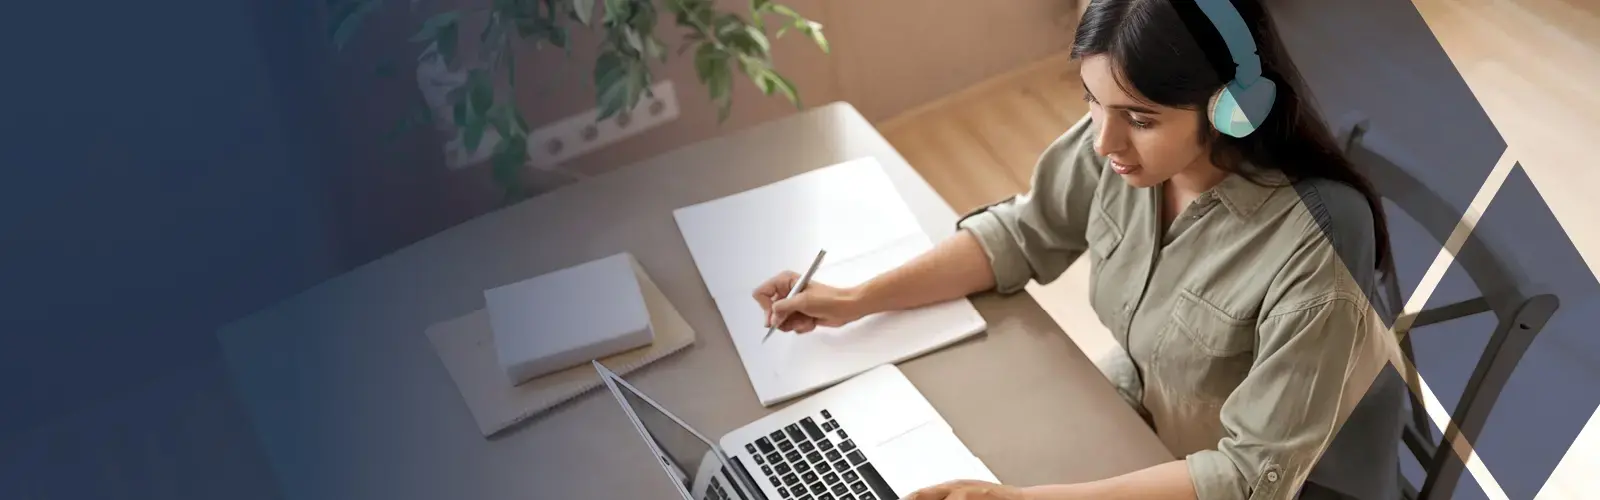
(1272,476)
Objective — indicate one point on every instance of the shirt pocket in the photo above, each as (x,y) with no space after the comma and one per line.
(1103,238)
(1209,351)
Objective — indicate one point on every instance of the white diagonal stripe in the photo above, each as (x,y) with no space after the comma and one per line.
(1419,300)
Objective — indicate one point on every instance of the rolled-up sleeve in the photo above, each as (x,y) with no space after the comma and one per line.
(1036,235)
(1319,348)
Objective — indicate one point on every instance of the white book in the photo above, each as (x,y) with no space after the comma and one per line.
(466,347)
(566,318)
(853,211)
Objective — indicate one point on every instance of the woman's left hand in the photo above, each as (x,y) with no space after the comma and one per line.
(969,490)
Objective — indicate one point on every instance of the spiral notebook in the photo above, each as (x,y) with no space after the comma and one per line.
(466,346)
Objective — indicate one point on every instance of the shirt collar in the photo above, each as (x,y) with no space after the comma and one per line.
(1243,197)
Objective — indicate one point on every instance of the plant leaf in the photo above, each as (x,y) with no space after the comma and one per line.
(654,49)
(509,157)
(814,30)
(510,56)
(728,24)
(724,109)
(616,11)
(607,69)
(432,27)
(530,28)
(489,29)
(718,79)
(643,17)
(584,9)
(784,85)
(757,8)
(638,83)
(785,10)
(522,124)
(759,38)
(763,81)
(707,60)
(345,26)
(500,117)
(558,37)
(611,83)
(635,41)
(447,44)
(482,93)
(473,134)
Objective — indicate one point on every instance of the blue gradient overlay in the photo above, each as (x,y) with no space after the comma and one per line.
(175,167)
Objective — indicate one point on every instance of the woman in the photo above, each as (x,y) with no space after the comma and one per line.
(1233,270)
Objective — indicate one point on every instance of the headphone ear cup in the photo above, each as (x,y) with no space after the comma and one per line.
(1238,111)
(1213,116)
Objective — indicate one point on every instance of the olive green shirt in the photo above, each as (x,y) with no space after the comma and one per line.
(1247,338)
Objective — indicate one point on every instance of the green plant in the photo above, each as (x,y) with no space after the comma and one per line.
(722,42)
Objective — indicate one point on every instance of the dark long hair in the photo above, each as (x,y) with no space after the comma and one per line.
(1171,55)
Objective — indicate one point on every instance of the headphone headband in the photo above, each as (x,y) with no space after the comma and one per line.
(1242,104)
(1234,31)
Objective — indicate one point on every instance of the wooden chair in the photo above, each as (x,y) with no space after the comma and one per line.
(1521,312)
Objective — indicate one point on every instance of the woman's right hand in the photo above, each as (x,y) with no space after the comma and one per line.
(818,305)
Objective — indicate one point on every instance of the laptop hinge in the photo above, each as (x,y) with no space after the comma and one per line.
(746,481)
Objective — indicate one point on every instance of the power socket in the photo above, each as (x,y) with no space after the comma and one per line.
(579,134)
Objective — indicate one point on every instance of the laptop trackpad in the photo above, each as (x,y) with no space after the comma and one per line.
(927,456)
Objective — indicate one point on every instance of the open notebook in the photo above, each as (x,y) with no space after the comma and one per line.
(854,212)
(466,346)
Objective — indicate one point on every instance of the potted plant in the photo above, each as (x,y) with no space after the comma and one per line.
(465,87)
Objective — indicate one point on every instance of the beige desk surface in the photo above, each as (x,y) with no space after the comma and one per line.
(350,401)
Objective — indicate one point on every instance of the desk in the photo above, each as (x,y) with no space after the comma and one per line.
(350,401)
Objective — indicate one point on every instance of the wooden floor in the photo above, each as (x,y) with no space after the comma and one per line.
(1533,64)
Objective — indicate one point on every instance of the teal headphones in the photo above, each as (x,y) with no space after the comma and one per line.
(1242,105)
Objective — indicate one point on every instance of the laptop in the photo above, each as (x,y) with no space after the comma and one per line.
(871,437)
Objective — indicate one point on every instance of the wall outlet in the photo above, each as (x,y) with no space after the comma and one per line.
(579,134)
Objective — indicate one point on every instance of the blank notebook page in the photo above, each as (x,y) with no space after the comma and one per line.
(854,212)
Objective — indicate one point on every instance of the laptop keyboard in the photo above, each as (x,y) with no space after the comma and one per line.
(715,490)
(808,460)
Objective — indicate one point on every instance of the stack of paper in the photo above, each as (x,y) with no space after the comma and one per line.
(853,211)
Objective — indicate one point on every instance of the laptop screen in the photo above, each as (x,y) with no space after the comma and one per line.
(687,452)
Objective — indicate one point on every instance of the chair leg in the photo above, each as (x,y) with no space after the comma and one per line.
(1506,347)
(1407,491)
(1419,409)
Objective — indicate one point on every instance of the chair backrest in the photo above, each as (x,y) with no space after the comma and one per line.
(1507,293)
(1392,171)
